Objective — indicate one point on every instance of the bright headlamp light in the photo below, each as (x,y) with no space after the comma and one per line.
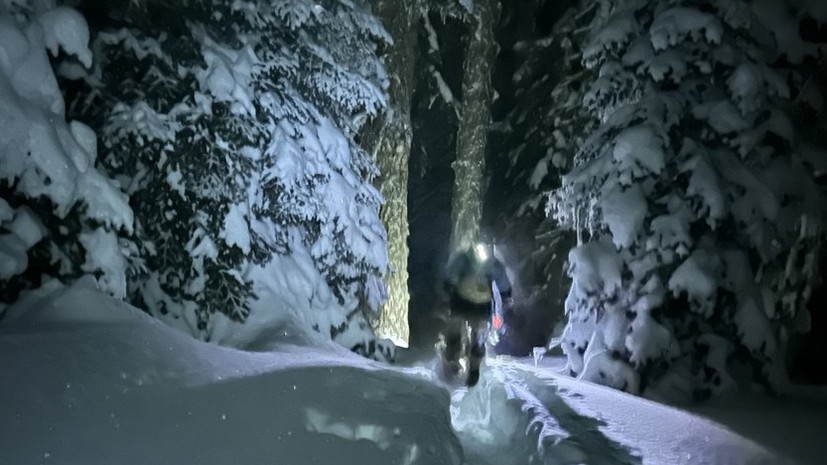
(481,252)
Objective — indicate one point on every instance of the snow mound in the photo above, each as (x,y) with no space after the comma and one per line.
(105,384)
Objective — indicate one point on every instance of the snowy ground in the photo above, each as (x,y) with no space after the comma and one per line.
(87,380)
(795,425)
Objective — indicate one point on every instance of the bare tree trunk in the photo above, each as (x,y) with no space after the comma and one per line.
(393,146)
(472,136)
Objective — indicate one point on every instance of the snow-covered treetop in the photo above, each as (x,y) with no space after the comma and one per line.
(674,50)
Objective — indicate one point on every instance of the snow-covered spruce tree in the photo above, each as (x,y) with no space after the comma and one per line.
(59,216)
(233,132)
(693,199)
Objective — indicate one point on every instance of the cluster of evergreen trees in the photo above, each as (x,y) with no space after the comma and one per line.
(218,179)
(233,134)
(231,128)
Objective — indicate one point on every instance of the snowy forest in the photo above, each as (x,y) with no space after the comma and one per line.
(229,231)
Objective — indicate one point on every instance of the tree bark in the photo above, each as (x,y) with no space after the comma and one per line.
(393,146)
(474,120)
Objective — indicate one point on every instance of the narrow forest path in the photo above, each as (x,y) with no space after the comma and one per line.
(514,417)
(522,414)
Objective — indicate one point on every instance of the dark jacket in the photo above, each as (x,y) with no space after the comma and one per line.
(468,284)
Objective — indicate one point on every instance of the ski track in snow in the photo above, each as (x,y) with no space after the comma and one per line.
(547,429)
(616,428)
(584,423)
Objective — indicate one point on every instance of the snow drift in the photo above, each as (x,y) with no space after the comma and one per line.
(94,381)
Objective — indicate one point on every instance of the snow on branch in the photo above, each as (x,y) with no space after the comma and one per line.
(48,168)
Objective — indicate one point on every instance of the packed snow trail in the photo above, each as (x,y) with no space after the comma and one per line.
(89,380)
(572,422)
(514,417)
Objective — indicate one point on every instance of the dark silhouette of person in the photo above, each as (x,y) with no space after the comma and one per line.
(472,277)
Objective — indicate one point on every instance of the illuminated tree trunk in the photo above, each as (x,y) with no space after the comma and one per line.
(392,153)
(472,136)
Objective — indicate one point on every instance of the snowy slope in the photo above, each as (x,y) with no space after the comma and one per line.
(89,380)
(129,390)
